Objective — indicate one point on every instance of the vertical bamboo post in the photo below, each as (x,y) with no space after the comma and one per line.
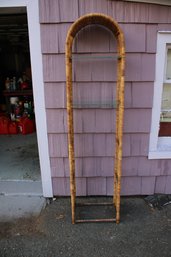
(116,136)
(119,123)
(68,52)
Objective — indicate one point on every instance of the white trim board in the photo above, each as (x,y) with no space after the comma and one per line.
(38,87)
(159,147)
(161,2)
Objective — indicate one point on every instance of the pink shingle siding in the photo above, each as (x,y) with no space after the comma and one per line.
(95,85)
(87,6)
(140,98)
(58,145)
(51,74)
(160,185)
(131,186)
(61,186)
(140,67)
(96,186)
(139,144)
(57,11)
(86,40)
(148,185)
(137,120)
(55,95)
(53,37)
(57,167)
(151,38)
(139,42)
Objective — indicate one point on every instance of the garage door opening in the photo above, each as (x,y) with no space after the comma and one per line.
(18,139)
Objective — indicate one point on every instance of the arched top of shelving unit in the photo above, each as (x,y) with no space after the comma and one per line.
(96,19)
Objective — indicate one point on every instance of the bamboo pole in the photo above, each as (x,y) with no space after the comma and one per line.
(68,51)
(106,21)
(119,124)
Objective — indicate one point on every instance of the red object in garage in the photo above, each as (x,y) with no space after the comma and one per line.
(26,126)
(13,128)
(4,125)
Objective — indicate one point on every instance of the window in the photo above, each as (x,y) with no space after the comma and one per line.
(160,136)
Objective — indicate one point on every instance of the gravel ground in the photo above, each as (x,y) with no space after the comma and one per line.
(143,232)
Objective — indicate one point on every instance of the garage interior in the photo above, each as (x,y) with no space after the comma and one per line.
(19,159)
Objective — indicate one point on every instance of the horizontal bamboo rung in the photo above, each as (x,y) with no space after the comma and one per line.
(95,220)
(96,57)
(93,204)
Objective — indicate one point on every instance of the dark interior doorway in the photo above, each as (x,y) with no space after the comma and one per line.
(19,159)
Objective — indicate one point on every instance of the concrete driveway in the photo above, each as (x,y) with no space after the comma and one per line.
(143,232)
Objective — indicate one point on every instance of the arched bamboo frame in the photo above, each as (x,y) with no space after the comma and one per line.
(109,23)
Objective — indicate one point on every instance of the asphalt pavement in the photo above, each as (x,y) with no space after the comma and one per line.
(143,232)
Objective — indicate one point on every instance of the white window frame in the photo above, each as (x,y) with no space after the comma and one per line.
(159,147)
(38,87)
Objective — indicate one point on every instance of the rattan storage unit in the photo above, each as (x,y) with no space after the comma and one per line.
(109,23)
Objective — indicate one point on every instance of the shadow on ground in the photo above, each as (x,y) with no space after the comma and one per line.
(143,232)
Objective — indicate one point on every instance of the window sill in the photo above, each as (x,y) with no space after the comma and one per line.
(163,150)
(159,155)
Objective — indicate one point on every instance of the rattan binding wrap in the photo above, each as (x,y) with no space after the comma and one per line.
(109,23)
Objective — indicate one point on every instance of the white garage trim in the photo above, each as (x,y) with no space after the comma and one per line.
(38,87)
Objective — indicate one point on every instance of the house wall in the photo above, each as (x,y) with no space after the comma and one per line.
(94,84)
